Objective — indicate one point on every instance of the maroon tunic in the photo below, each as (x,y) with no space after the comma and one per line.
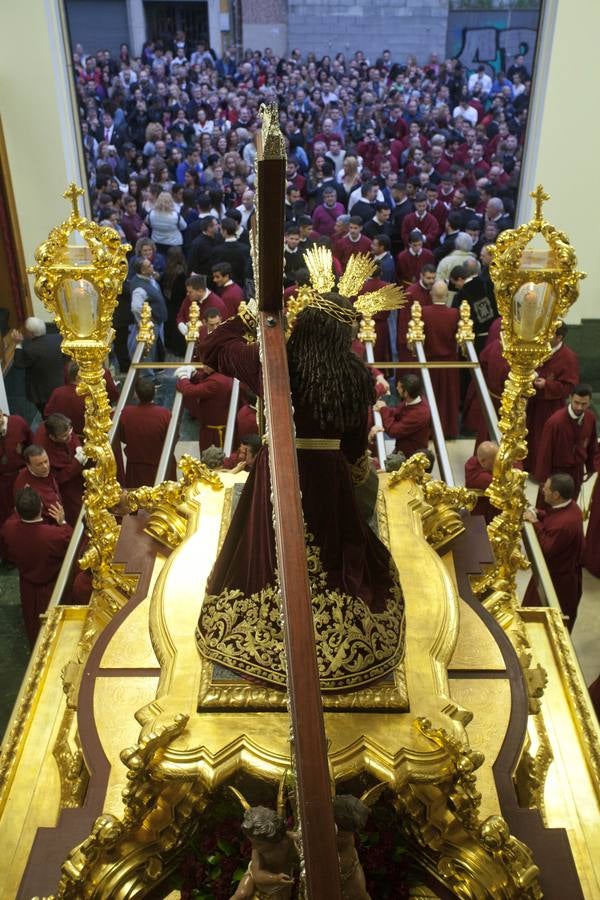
(12,444)
(561,372)
(354,559)
(428,226)
(66,400)
(410,424)
(246,421)
(37,550)
(345,248)
(479,479)
(231,295)
(567,447)
(207,397)
(560,533)
(66,470)
(211,301)
(143,429)
(441,323)
(46,487)
(495,370)
(423,296)
(409,265)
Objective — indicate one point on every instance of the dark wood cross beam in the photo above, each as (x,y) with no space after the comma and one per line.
(315,809)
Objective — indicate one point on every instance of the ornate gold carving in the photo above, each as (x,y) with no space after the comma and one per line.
(416,329)
(157,821)
(67,752)
(145,334)
(193,332)
(441,505)
(354,645)
(167,501)
(531,773)
(524,354)
(465,330)
(272,143)
(390,297)
(10,747)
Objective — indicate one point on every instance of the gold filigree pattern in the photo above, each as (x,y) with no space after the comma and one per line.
(354,645)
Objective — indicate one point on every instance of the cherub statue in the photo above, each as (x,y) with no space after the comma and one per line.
(350,815)
(274,857)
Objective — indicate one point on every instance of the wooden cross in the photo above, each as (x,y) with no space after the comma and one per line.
(73,193)
(315,809)
(539,195)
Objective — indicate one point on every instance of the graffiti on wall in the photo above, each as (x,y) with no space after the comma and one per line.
(493,39)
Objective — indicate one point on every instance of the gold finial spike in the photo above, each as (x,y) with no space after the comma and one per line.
(73,193)
(465,330)
(193,332)
(146,330)
(539,195)
(416,329)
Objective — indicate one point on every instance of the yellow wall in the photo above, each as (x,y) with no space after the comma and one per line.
(563,140)
(37,118)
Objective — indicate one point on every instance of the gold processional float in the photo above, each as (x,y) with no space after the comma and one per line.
(482,746)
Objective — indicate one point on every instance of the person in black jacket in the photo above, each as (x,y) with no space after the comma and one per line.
(233,252)
(41,357)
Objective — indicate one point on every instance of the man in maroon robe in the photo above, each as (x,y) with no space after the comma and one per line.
(246,417)
(553,383)
(197,291)
(67,460)
(569,440)
(37,475)
(478,477)
(143,428)
(231,294)
(66,400)
(422,220)
(14,437)
(410,262)
(560,533)
(37,550)
(441,323)
(410,421)
(421,293)
(206,396)
(353,242)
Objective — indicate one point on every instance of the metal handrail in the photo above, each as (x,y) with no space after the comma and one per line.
(436,423)
(173,428)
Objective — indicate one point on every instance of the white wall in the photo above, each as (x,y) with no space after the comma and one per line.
(563,140)
(37,119)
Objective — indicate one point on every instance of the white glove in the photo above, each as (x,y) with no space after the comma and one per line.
(80,456)
(184,372)
(183,328)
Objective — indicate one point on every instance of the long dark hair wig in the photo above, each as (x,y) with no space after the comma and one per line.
(325,374)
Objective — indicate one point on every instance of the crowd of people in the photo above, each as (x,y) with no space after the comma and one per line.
(415,164)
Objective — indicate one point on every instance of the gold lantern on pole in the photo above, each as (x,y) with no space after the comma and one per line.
(78,275)
(535,287)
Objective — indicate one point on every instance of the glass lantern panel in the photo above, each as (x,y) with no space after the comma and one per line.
(77,251)
(533,305)
(78,305)
(538,258)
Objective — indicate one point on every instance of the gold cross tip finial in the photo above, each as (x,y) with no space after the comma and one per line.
(539,195)
(73,193)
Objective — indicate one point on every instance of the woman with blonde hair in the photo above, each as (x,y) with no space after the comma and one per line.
(349,176)
(165,223)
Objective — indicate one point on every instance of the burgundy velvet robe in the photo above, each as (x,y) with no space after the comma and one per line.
(351,554)
(421,295)
(246,421)
(560,533)
(428,226)
(409,265)
(17,437)
(143,429)
(47,488)
(207,398)
(66,470)
(567,447)
(211,301)
(441,323)
(561,372)
(66,400)
(231,296)
(345,248)
(410,424)
(479,479)
(37,550)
